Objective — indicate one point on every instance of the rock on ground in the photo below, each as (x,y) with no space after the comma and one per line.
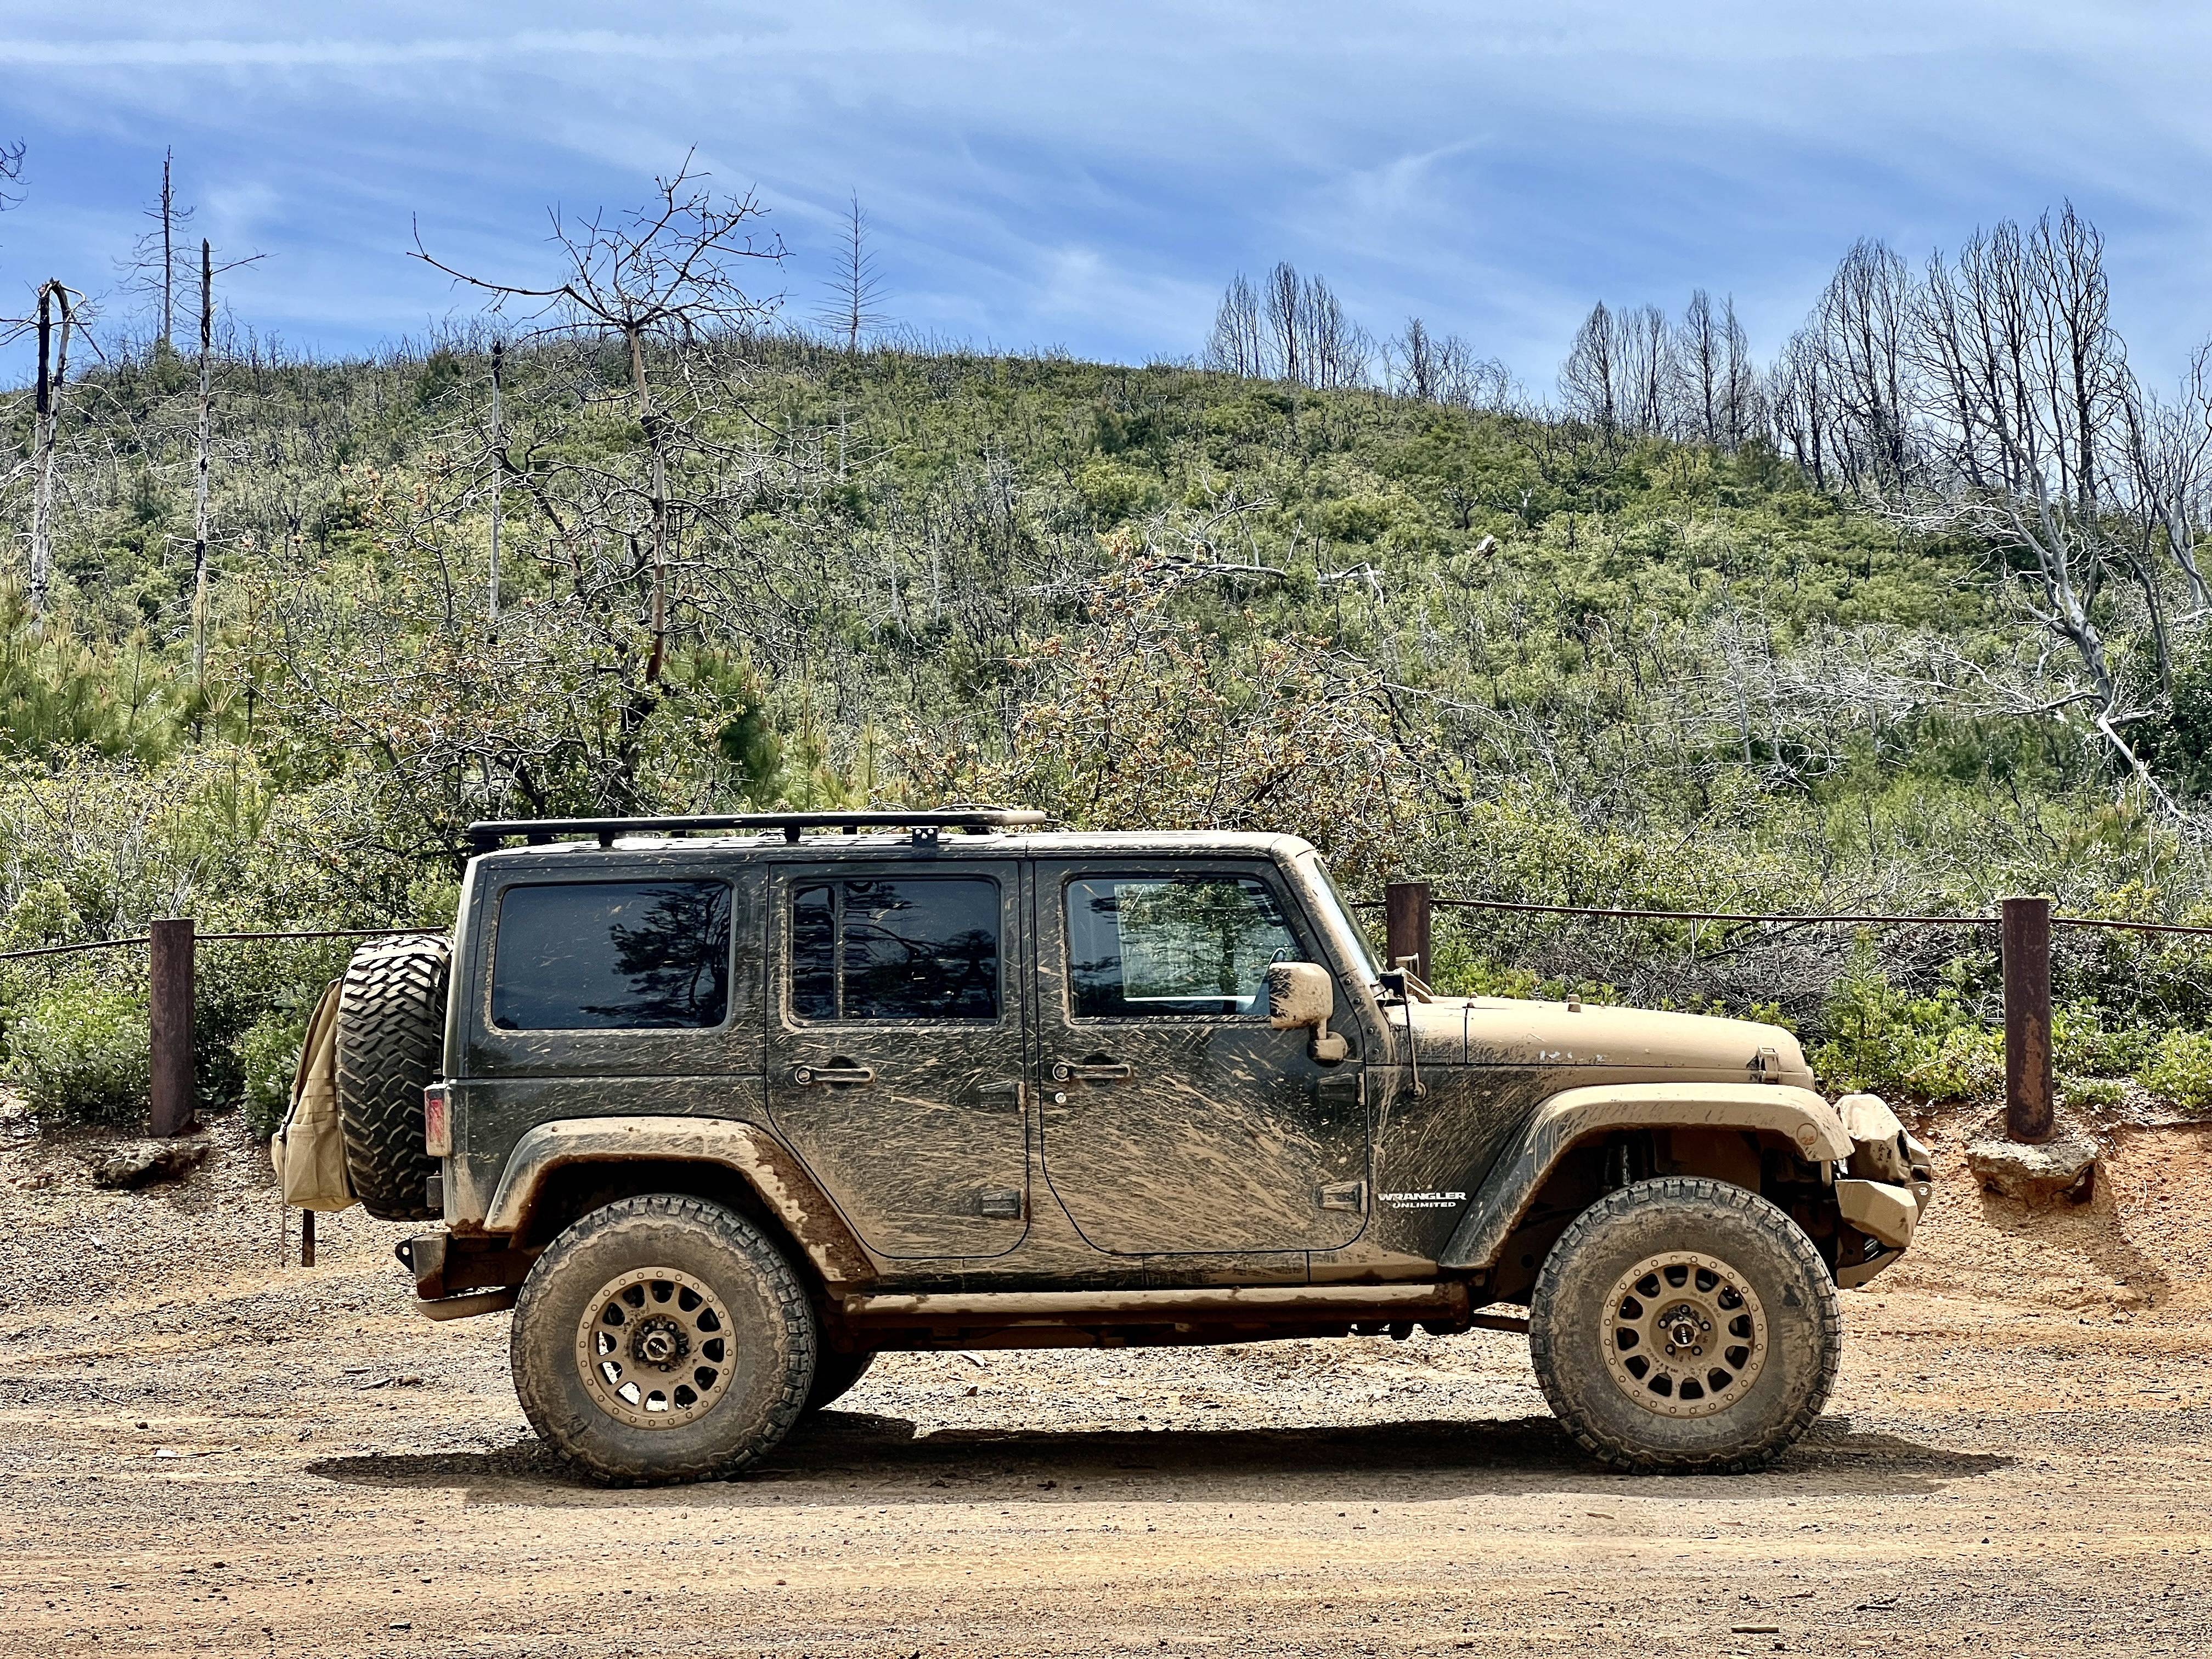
(2065,1164)
(142,1162)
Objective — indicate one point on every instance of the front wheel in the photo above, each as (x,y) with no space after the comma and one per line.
(1685,1326)
(663,1339)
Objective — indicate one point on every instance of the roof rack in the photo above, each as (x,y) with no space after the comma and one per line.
(484,837)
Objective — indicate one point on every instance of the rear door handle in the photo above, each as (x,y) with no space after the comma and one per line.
(1108,1070)
(838,1076)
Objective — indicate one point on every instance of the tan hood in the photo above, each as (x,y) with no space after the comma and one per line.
(1505,1031)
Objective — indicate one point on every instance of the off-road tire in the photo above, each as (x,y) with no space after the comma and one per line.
(771,1352)
(1571,1319)
(391,1039)
(835,1376)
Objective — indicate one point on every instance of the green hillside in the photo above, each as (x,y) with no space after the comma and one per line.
(1526,659)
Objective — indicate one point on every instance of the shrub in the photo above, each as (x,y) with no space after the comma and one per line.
(269,1055)
(2095,1094)
(1929,1048)
(79,1051)
(2180,1071)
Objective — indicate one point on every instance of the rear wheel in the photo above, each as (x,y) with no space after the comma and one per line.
(392,1042)
(1685,1326)
(663,1339)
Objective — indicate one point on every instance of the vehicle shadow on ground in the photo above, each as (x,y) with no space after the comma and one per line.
(847,1457)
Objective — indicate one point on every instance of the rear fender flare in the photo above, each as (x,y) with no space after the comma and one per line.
(769,1167)
(1574,1116)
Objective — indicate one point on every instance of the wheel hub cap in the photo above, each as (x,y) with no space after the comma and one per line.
(1684,1334)
(653,1348)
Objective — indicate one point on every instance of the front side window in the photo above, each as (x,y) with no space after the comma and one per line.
(922,948)
(605,955)
(1140,946)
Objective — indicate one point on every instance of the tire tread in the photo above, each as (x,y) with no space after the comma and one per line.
(1691,1192)
(391,1036)
(539,1394)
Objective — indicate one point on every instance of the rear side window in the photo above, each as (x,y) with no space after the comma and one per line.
(1140,947)
(601,954)
(923,948)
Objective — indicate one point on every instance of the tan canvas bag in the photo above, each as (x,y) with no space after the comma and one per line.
(309,1150)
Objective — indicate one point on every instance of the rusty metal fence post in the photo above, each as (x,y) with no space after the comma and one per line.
(1406,914)
(2026,931)
(169,1009)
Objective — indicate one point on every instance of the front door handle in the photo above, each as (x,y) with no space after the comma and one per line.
(836,1076)
(1093,1071)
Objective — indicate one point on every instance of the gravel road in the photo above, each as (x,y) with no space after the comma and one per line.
(203,1451)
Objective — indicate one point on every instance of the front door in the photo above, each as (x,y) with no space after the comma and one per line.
(895,1048)
(1175,1119)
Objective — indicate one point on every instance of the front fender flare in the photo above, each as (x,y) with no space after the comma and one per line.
(1806,1120)
(775,1174)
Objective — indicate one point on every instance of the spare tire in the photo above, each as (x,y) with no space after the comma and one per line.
(392,1044)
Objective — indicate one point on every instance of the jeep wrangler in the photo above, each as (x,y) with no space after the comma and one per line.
(724,1106)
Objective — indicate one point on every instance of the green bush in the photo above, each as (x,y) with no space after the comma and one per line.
(1929,1048)
(79,1052)
(2180,1071)
(269,1055)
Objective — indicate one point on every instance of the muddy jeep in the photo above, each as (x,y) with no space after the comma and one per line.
(724,1106)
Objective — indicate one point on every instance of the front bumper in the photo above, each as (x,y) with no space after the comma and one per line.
(1889,1187)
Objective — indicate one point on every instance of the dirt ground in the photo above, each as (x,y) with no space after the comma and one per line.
(203,1451)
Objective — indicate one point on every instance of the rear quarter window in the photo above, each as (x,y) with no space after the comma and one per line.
(650,956)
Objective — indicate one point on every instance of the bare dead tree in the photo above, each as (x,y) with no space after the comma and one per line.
(1443,369)
(151,270)
(1799,405)
(204,452)
(1742,414)
(665,287)
(1700,363)
(1590,380)
(856,284)
(2169,468)
(1235,345)
(2022,403)
(11,173)
(1645,373)
(1861,325)
(1336,347)
(55,298)
(1283,307)
(1418,361)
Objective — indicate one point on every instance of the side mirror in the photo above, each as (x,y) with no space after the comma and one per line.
(1303,995)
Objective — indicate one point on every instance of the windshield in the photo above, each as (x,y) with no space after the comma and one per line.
(1337,915)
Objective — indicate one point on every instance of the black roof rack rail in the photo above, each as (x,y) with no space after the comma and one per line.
(483,837)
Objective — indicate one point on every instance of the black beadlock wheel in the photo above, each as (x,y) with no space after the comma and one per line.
(1684,1325)
(663,1339)
(392,1040)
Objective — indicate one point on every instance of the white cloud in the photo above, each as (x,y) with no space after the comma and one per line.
(1091,176)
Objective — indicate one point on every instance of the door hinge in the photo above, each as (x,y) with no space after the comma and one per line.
(1345,1195)
(1000,1204)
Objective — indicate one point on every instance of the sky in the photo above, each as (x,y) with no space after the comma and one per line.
(1086,179)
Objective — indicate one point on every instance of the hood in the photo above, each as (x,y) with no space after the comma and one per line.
(1505,1031)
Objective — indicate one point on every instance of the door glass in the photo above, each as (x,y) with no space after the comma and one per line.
(596,955)
(922,948)
(1144,947)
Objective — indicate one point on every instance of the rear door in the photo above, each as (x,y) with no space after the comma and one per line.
(1174,1118)
(895,1048)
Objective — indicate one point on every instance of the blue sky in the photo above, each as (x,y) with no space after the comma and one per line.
(1088,177)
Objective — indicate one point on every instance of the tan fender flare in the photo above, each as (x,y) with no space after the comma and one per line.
(1799,1116)
(773,1171)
